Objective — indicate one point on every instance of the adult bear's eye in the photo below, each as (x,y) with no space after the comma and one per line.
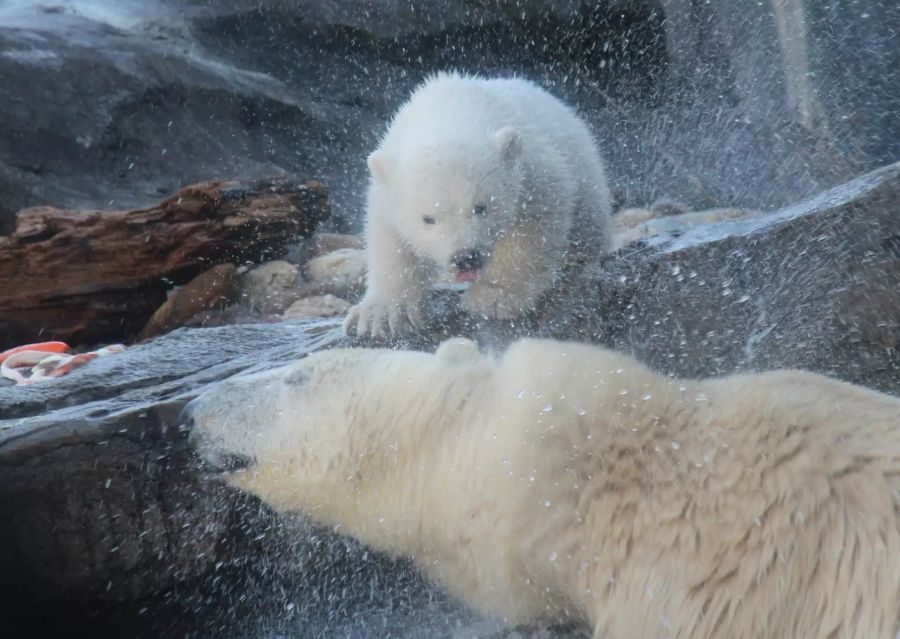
(479,210)
(428,219)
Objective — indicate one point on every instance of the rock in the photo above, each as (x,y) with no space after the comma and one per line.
(630,218)
(633,224)
(324,243)
(271,287)
(713,106)
(211,288)
(98,276)
(766,291)
(105,514)
(666,206)
(232,314)
(317,306)
(341,273)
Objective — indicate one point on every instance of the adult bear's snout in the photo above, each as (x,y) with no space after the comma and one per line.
(186,418)
(214,457)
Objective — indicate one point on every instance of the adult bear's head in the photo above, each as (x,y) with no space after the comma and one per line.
(346,435)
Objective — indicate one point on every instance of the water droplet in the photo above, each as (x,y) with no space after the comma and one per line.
(547,408)
(675,445)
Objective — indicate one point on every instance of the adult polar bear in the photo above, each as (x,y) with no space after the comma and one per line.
(564,480)
(492,181)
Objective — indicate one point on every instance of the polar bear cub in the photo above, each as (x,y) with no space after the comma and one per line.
(488,181)
(567,481)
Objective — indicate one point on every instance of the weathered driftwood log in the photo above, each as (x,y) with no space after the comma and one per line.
(88,276)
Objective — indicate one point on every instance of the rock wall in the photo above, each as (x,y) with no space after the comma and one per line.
(114,104)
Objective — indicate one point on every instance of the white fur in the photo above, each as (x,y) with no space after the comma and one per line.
(460,142)
(564,480)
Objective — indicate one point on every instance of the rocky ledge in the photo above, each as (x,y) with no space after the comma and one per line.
(107,521)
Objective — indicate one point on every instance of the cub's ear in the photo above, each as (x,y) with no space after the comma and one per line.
(507,142)
(381,166)
(457,350)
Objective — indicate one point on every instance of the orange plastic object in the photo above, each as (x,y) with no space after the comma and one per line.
(58,367)
(46,347)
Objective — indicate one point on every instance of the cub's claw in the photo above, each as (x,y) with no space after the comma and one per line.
(379,319)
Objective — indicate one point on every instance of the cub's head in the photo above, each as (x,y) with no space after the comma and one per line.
(335,429)
(453,200)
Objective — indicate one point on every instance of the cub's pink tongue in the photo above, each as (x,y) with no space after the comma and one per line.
(467,276)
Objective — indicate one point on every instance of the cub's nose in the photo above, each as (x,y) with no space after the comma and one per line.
(467,260)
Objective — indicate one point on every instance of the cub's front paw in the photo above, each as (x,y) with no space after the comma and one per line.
(493,302)
(383,318)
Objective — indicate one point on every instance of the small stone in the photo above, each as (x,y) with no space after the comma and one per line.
(208,290)
(323,243)
(667,207)
(634,224)
(317,306)
(231,314)
(270,287)
(630,218)
(340,273)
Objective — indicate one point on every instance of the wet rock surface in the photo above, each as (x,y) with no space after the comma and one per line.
(317,306)
(109,521)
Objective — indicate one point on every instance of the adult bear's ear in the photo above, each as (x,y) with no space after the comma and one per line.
(507,142)
(381,165)
(457,350)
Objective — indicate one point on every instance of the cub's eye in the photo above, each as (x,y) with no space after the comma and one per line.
(479,210)
(428,219)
